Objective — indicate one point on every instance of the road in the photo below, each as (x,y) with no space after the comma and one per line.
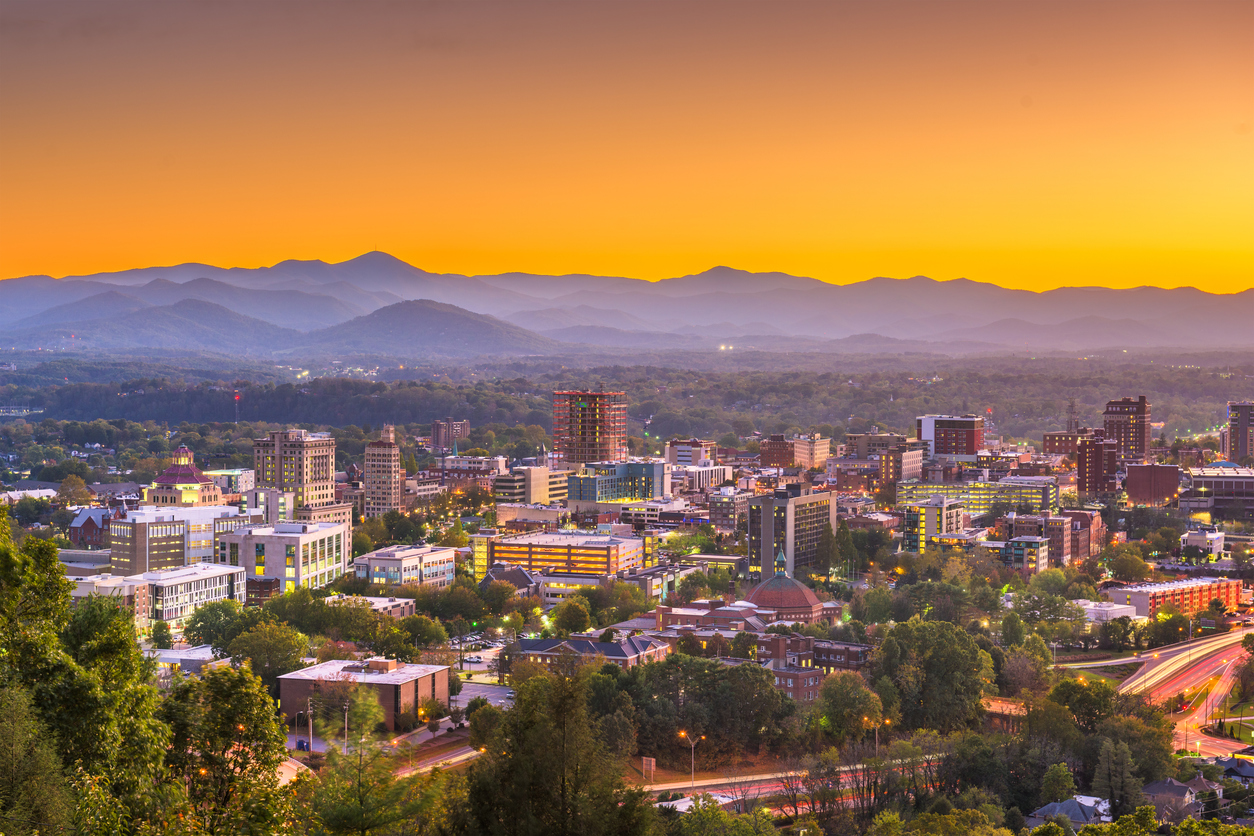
(1184,668)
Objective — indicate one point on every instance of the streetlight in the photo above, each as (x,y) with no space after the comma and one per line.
(692,743)
(883,722)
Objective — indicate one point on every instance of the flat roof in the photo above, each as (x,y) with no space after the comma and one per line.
(336,669)
(571,538)
(1223,472)
(190,572)
(153,513)
(1170,585)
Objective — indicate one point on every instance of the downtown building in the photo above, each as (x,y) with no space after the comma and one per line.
(1097,463)
(384,476)
(957,437)
(277,558)
(431,566)
(1040,493)
(927,523)
(576,552)
(301,463)
(1189,596)
(1127,423)
(535,485)
(788,521)
(590,426)
(446,433)
(174,594)
(618,481)
(154,538)
(1237,439)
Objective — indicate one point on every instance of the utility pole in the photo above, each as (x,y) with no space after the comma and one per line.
(309,719)
(345,728)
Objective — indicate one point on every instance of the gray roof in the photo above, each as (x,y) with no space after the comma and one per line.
(622,649)
(1072,809)
(1169,787)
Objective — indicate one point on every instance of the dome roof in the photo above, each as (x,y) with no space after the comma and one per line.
(783,593)
(182,471)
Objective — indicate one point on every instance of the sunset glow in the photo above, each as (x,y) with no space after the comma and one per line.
(1031,146)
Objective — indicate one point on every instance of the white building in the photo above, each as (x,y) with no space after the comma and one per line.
(234,480)
(395,607)
(174,594)
(1101,611)
(700,477)
(273,504)
(310,554)
(408,565)
(1208,541)
(692,451)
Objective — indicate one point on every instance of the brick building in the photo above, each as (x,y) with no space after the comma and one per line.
(399,687)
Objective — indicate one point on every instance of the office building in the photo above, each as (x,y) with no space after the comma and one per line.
(481,470)
(693,451)
(129,594)
(395,607)
(1065,442)
(400,688)
(234,480)
(1222,488)
(174,594)
(531,486)
(728,507)
(590,426)
(1239,438)
(777,451)
(1189,597)
(384,476)
(301,463)
(900,463)
(271,503)
(951,435)
(863,446)
(183,484)
(150,538)
(297,553)
(1211,542)
(431,566)
(619,482)
(811,451)
(569,551)
(445,434)
(926,522)
(1127,423)
(1040,493)
(700,477)
(1154,485)
(790,520)
(1097,461)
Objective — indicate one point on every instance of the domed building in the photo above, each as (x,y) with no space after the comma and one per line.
(183,484)
(789,599)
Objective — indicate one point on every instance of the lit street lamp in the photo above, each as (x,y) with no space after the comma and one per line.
(692,743)
(883,722)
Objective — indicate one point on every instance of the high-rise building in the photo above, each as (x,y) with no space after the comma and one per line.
(1127,423)
(384,478)
(951,435)
(531,486)
(1097,460)
(789,520)
(619,482)
(301,463)
(1239,439)
(590,426)
(446,433)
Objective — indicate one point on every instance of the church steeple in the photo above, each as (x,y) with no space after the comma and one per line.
(781,564)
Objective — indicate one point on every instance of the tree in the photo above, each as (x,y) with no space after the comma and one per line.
(218,623)
(161,636)
(1115,779)
(744,645)
(937,670)
(497,595)
(73,491)
(424,631)
(847,707)
(358,793)
(827,556)
(846,551)
(272,650)
(1129,566)
(1012,631)
(1058,784)
(226,748)
(33,794)
(571,616)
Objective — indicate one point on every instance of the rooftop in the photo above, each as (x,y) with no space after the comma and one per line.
(1171,585)
(571,538)
(203,513)
(183,574)
(359,671)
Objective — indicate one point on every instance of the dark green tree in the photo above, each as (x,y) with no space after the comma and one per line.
(218,623)
(162,638)
(33,793)
(1115,779)
(272,650)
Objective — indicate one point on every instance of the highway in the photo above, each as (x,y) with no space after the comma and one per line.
(1186,668)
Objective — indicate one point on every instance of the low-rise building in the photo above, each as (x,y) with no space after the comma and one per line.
(151,538)
(531,486)
(130,595)
(1100,612)
(619,482)
(1026,555)
(1189,596)
(182,483)
(90,528)
(174,594)
(626,653)
(570,551)
(408,566)
(1211,542)
(700,477)
(395,607)
(400,687)
(728,508)
(1040,493)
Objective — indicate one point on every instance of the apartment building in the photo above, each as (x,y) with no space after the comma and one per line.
(1238,440)
(1189,596)
(1097,462)
(728,507)
(790,520)
(927,521)
(1127,423)
(446,433)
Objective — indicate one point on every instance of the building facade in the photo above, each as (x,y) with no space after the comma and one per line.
(590,426)
(1152,484)
(446,433)
(234,480)
(790,520)
(1188,596)
(693,451)
(1097,461)
(728,507)
(1127,423)
(298,462)
(951,435)
(531,486)
(1239,438)
(150,538)
(570,551)
(926,522)
(777,451)
(400,688)
(1040,493)
(183,484)
(408,566)
(384,478)
(295,553)
(619,482)
(174,594)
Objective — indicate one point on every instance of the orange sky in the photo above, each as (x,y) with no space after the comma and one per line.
(1027,144)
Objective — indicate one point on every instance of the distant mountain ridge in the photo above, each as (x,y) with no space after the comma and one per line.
(324,307)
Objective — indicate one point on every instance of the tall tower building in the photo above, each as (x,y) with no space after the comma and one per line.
(1127,423)
(590,426)
(951,435)
(301,463)
(384,477)
(790,521)
(446,433)
(1240,435)
(1097,459)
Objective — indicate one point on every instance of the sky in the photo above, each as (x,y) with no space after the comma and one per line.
(1028,144)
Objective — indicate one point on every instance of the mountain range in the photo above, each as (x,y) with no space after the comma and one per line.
(376,304)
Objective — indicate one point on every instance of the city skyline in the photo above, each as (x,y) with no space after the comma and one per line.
(1027,146)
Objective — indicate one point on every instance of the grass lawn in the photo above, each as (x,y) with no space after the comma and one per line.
(1078,656)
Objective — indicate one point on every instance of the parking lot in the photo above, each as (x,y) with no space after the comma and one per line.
(498,695)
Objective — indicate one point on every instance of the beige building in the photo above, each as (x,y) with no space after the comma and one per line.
(531,486)
(300,553)
(301,463)
(810,451)
(152,538)
(384,478)
(182,483)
